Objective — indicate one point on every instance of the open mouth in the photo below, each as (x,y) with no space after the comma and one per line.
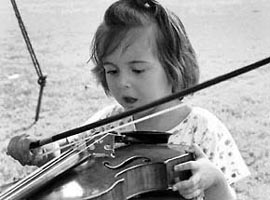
(129,100)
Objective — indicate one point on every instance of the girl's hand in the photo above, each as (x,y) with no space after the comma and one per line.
(19,149)
(204,175)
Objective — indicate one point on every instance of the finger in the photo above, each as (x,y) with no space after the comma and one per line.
(181,186)
(196,150)
(9,148)
(193,194)
(26,150)
(190,165)
(184,190)
(23,153)
(192,184)
(189,185)
(12,146)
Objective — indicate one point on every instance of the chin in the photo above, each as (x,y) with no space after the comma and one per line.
(129,107)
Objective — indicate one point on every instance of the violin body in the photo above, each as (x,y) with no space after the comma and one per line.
(141,171)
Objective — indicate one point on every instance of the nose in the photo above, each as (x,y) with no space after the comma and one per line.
(124,81)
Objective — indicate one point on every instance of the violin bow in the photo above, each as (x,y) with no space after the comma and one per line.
(163,100)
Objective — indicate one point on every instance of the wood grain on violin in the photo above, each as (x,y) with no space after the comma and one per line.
(134,170)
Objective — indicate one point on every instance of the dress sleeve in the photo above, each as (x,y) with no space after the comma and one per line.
(228,157)
(221,149)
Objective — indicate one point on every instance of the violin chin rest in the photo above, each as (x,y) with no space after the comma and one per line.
(159,195)
(143,137)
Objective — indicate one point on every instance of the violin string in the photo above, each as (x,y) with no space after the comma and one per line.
(71,144)
(38,173)
(82,143)
(33,177)
(16,187)
(74,143)
(116,128)
(78,150)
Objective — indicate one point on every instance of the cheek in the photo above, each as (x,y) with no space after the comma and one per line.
(112,85)
(160,85)
(154,90)
(109,83)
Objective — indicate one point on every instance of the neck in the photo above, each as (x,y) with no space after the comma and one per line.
(163,122)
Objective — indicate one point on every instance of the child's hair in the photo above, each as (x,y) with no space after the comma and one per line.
(174,49)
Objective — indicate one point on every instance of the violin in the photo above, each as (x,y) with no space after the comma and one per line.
(141,170)
(138,170)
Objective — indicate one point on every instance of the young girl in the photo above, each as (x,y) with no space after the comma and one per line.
(141,53)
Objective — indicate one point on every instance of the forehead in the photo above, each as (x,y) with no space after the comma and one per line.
(137,41)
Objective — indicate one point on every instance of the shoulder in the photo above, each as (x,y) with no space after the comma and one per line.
(106,112)
(199,126)
(210,133)
(210,129)
(202,121)
(218,144)
(203,115)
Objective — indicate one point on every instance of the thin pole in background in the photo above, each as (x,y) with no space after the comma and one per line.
(41,78)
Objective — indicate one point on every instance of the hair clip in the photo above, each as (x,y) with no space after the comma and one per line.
(146,5)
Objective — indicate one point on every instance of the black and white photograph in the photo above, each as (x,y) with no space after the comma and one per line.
(135,99)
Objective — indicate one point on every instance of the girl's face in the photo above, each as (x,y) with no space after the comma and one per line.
(133,72)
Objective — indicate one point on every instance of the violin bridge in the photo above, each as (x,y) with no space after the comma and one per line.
(103,146)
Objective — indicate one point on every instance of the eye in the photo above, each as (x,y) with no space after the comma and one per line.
(111,71)
(138,71)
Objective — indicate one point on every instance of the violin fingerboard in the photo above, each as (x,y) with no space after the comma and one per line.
(181,175)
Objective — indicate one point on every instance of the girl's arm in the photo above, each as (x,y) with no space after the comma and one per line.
(220,190)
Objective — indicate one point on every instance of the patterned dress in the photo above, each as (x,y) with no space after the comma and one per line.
(200,127)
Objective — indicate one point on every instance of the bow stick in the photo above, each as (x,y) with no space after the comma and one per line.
(113,130)
(163,100)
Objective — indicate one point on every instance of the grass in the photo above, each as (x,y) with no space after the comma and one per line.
(226,36)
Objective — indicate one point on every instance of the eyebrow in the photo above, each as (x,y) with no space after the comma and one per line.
(131,62)
(109,63)
(137,62)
